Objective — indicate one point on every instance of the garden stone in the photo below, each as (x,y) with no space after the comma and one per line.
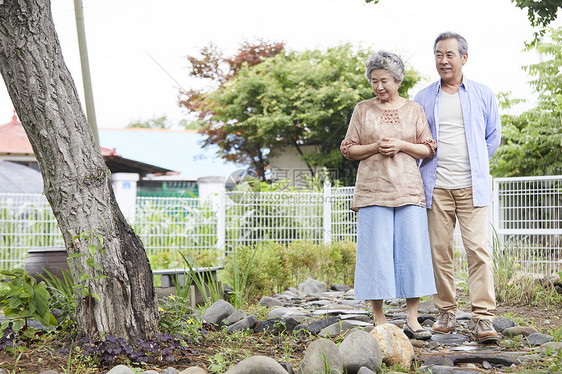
(296,292)
(169,370)
(557,346)
(431,360)
(359,349)
(121,369)
(501,323)
(320,353)
(317,326)
(288,368)
(150,372)
(270,302)
(335,329)
(194,370)
(446,370)
(519,330)
(2,371)
(463,315)
(257,365)
(537,339)
(277,324)
(427,307)
(450,339)
(283,312)
(365,370)
(43,372)
(247,323)
(237,316)
(218,311)
(312,286)
(339,287)
(395,345)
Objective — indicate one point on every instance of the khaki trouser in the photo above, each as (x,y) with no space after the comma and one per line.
(473,223)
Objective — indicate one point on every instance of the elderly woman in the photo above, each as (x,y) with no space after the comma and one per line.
(388,134)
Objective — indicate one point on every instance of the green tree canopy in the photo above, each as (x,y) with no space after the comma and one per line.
(532,141)
(291,100)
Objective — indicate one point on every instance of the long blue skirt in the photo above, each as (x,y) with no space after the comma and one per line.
(393,253)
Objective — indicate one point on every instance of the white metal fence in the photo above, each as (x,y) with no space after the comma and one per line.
(525,213)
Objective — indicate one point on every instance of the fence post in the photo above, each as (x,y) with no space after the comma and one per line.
(221,220)
(327,221)
(495,211)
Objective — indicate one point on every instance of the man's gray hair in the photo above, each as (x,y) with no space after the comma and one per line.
(388,61)
(463,44)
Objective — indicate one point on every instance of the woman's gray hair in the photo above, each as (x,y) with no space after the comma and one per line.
(388,61)
(463,44)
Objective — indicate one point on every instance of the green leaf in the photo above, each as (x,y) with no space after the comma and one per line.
(18,324)
(84,277)
(92,249)
(90,261)
(15,302)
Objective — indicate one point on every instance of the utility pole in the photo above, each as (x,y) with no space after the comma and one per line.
(84,62)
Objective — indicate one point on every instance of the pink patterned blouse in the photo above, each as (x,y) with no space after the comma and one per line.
(381,180)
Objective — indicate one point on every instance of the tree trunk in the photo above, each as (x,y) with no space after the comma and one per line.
(76,180)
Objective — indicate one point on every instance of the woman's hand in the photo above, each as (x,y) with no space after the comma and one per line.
(390,146)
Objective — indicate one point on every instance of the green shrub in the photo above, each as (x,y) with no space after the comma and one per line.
(275,267)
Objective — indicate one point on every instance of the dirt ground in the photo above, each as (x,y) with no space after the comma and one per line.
(45,357)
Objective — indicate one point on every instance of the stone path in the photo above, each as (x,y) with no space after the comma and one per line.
(314,309)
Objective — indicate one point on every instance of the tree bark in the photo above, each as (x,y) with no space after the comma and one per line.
(76,180)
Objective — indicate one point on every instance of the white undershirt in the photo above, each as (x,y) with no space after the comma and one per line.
(453,165)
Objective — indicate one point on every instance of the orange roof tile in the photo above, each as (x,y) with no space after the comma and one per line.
(13,140)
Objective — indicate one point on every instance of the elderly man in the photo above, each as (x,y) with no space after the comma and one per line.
(464,120)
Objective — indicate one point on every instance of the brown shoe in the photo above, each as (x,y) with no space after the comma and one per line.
(445,323)
(485,331)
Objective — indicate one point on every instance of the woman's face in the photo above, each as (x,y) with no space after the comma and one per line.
(383,84)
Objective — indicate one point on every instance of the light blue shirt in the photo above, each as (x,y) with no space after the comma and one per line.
(483,135)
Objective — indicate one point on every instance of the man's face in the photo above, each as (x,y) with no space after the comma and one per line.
(448,60)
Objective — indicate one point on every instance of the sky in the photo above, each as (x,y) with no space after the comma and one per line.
(137,48)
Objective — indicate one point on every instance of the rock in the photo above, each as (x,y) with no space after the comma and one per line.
(270,302)
(365,370)
(43,372)
(169,370)
(463,315)
(537,339)
(519,330)
(150,372)
(238,315)
(316,326)
(335,329)
(247,323)
(120,369)
(320,354)
(395,346)
(557,346)
(288,368)
(312,287)
(283,312)
(339,287)
(257,365)
(194,370)
(501,323)
(358,350)
(277,324)
(218,311)
(450,339)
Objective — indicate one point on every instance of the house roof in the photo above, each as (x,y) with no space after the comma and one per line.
(16,178)
(180,150)
(14,142)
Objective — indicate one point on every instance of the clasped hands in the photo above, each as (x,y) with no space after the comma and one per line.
(390,146)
